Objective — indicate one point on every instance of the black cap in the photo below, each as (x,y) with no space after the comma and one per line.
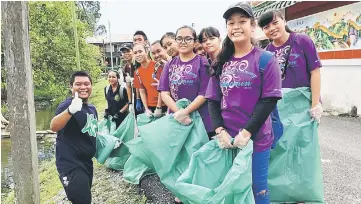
(126,46)
(240,6)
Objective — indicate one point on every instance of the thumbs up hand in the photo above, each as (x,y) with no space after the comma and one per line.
(76,104)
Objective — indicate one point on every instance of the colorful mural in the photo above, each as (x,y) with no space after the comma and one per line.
(335,29)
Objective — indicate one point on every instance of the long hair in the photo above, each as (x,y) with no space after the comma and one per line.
(267,17)
(224,55)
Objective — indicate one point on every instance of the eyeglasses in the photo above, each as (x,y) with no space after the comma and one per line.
(186,39)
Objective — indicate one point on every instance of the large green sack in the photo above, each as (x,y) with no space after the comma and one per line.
(105,142)
(125,133)
(107,126)
(295,172)
(218,176)
(170,145)
(138,164)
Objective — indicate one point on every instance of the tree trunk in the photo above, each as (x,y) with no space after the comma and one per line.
(15,22)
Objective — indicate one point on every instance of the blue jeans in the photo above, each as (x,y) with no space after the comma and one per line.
(260,164)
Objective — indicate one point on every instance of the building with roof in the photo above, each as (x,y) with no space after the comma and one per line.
(103,42)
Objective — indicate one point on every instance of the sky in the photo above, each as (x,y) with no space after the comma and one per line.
(156,17)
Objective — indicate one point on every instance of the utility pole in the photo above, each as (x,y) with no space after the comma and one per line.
(111,48)
(75,36)
(20,95)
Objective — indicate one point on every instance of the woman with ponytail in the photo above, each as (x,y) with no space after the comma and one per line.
(241,98)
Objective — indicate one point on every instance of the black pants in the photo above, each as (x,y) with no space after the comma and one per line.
(77,185)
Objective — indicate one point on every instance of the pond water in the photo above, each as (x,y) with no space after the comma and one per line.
(45,148)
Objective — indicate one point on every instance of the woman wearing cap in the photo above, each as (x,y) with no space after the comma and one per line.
(297,56)
(146,79)
(211,42)
(117,98)
(240,99)
(169,44)
(185,76)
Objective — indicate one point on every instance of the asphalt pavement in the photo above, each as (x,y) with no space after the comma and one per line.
(340,142)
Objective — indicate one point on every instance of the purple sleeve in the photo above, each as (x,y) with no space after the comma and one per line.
(311,54)
(272,83)
(213,89)
(203,76)
(164,79)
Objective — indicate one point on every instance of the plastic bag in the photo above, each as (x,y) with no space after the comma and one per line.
(295,173)
(170,145)
(107,126)
(104,146)
(124,133)
(138,165)
(217,176)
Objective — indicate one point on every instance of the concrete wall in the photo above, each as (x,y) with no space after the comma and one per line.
(341,84)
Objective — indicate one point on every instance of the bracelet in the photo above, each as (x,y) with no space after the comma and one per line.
(159,108)
(129,103)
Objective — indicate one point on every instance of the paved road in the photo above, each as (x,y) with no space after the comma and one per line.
(340,141)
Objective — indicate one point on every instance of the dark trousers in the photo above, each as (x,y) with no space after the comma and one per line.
(77,185)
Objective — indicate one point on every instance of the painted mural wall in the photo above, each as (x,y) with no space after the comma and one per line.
(335,29)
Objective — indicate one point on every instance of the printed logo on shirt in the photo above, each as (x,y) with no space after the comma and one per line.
(180,75)
(117,97)
(91,126)
(281,56)
(235,75)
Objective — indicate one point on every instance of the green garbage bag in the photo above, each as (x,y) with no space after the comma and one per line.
(105,144)
(138,164)
(217,176)
(170,145)
(143,119)
(107,126)
(295,172)
(124,133)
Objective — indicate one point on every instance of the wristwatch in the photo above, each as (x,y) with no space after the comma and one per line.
(129,103)
(159,107)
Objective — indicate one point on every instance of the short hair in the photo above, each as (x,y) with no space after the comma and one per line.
(79,73)
(139,32)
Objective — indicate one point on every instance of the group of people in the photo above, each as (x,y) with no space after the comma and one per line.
(223,83)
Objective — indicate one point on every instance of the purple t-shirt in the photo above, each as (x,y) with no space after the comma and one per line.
(187,80)
(302,60)
(239,89)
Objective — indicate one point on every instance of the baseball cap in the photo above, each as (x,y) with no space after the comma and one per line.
(240,6)
(126,46)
